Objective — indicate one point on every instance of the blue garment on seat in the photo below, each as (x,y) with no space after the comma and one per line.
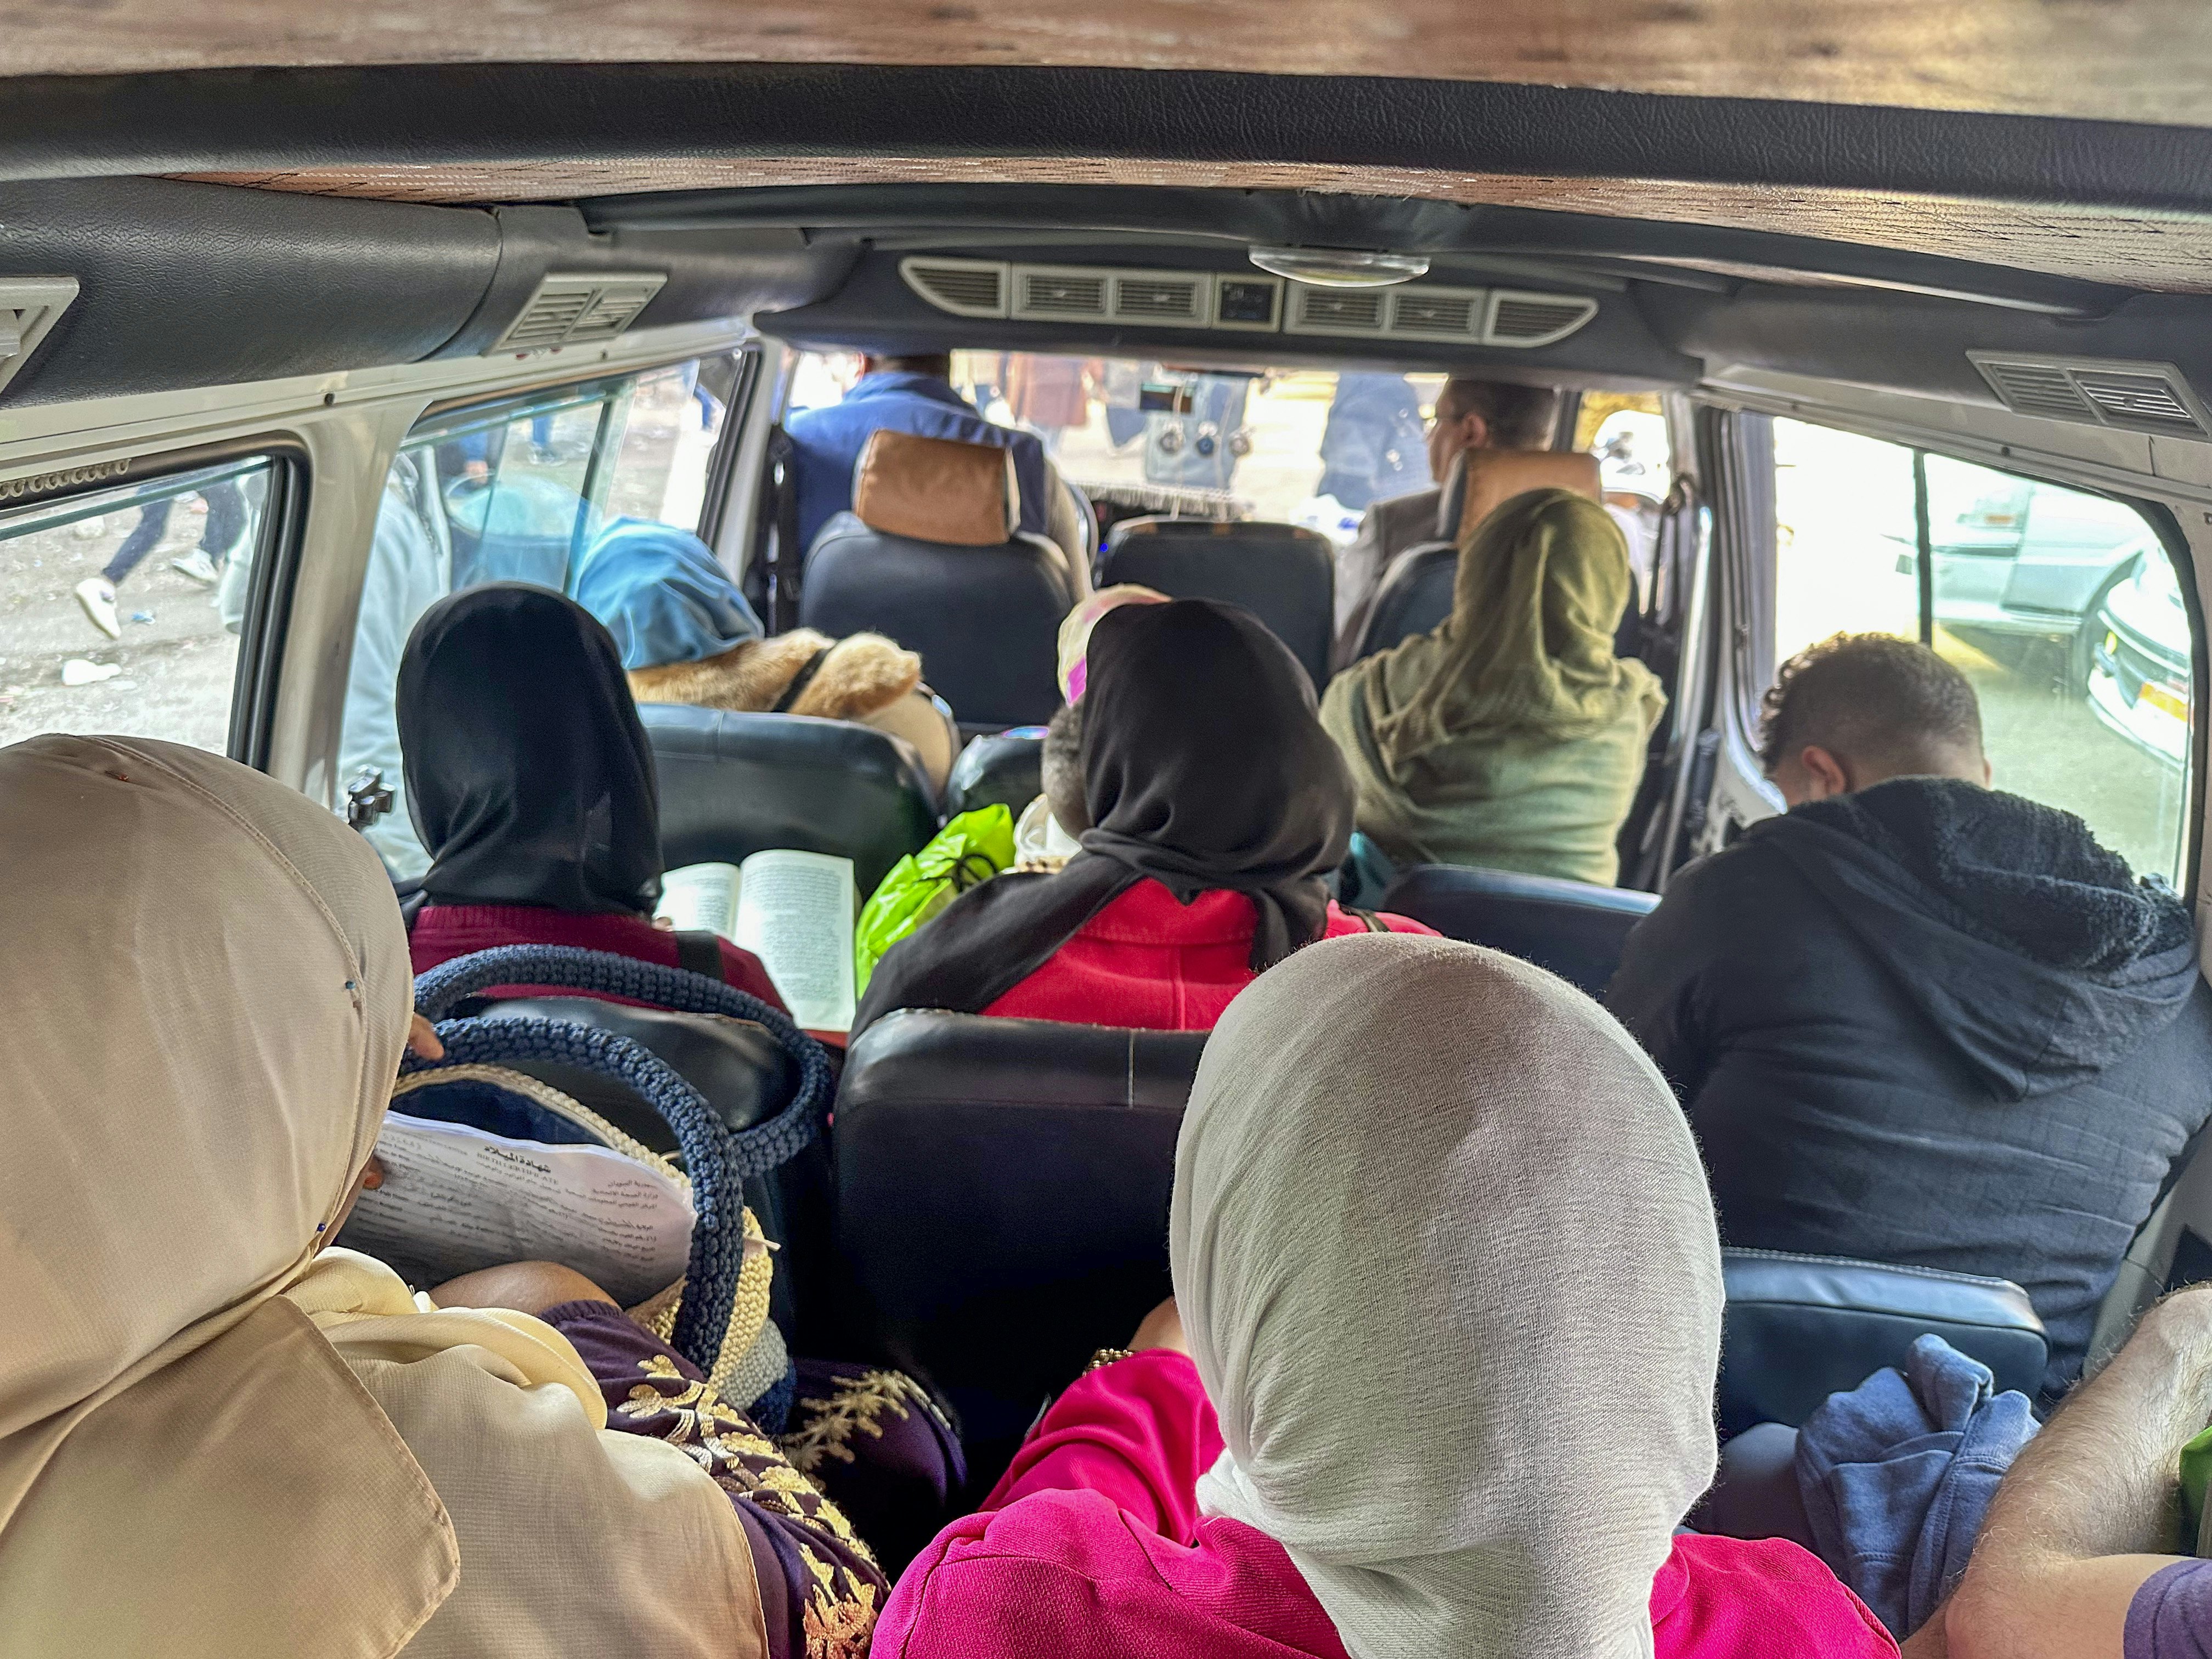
(1896,1475)
(662,595)
(829,442)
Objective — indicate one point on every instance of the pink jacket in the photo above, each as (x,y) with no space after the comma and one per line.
(1092,1548)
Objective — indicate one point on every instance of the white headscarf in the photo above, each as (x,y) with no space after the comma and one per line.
(1447,1260)
(207,988)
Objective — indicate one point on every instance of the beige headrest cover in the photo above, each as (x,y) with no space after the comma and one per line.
(938,489)
(1495,477)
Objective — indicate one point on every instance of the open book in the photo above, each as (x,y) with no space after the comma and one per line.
(793,910)
(455,1199)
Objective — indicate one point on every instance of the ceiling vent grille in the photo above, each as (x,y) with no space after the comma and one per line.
(1437,313)
(579,310)
(1161,297)
(966,288)
(2150,398)
(1047,292)
(29,307)
(1335,310)
(1535,319)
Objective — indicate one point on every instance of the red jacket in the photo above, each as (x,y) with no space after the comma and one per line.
(443,932)
(1148,961)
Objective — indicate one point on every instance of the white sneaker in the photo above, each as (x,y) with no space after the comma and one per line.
(198,567)
(97,595)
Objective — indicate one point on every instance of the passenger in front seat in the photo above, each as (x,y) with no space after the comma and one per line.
(1511,737)
(1437,1378)
(1917,1020)
(532,786)
(1216,805)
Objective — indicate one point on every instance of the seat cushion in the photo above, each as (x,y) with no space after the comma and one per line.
(1005,768)
(1284,574)
(1798,1328)
(1575,929)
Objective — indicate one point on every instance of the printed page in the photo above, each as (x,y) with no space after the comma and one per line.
(702,895)
(795,913)
(455,1199)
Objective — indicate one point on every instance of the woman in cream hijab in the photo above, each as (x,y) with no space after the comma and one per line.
(217,1439)
(1452,1293)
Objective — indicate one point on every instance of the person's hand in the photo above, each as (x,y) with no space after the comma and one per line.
(528,1287)
(423,1038)
(1163,1328)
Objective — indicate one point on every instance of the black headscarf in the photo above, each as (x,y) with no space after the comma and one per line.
(1204,767)
(529,778)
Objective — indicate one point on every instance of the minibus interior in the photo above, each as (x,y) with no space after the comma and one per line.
(1869,328)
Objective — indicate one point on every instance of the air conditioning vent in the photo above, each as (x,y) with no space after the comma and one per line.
(966,288)
(579,310)
(1535,319)
(1437,313)
(1047,293)
(1174,300)
(2150,398)
(29,307)
(1335,310)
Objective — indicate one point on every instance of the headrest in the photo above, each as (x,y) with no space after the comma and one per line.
(1484,480)
(939,489)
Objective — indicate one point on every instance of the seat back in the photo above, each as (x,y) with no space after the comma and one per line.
(1798,1328)
(1575,929)
(931,555)
(735,784)
(1415,594)
(1002,1202)
(1283,573)
(1005,768)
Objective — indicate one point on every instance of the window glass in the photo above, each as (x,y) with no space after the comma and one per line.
(120,609)
(513,492)
(2061,606)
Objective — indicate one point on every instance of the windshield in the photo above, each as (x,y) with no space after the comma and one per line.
(1305,446)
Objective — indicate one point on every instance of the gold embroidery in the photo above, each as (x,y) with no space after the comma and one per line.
(856,1405)
(836,1626)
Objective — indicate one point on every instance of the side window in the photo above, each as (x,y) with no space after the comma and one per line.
(514,491)
(120,609)
(2062,607)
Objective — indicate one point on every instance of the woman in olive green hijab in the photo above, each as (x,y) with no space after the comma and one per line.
(1511,737)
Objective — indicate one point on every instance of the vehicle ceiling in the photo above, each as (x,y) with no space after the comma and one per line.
(1860,192)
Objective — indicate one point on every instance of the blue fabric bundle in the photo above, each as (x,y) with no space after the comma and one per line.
(1898,1474)
(659,592)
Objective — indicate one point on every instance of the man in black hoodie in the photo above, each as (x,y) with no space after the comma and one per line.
(1918,1020)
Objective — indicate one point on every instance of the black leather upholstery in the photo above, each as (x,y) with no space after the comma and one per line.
(1002,1202)
(1283,573)
(1414,596)
(1004,768)
(1573,928)
(733,785)
(985,619)
(746,1078)
(1800,1328)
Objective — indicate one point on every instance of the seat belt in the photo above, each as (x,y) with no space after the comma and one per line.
(698,951)
(785,564)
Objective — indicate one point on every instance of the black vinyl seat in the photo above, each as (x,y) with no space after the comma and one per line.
(735,784)
(1798,1328)
(931,555)
(1002,1203)
(1283,573)
(1575,929)
(1005,768)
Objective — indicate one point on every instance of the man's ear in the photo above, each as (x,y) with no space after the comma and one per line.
(1474,430)
(1825,774)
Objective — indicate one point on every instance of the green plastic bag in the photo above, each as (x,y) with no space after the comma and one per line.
(967,852)
(2195,1466)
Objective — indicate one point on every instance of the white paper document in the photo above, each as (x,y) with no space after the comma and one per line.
(455,1199)
(793,910)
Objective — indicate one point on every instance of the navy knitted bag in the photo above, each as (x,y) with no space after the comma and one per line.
(716,1160)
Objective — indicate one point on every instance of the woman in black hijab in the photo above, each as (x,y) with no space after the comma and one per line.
(1217,806)
(531,784)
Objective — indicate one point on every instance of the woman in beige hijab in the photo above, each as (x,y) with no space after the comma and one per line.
(217,1438)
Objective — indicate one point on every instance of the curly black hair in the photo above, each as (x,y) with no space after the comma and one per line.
(1870,696)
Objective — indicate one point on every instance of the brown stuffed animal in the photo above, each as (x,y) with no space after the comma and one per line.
(847,679)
